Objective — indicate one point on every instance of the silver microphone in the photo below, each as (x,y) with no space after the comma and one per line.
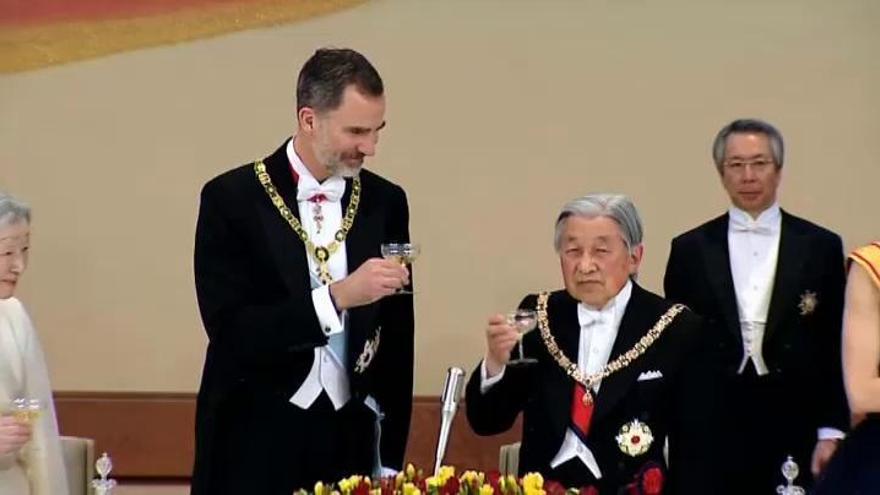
(451,395)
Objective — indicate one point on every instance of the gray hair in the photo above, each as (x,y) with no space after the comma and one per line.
(13,210)
(748,126)
(617,207)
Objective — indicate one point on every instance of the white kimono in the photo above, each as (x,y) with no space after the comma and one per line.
(38,468)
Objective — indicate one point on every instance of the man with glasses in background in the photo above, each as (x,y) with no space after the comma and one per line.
(770,286)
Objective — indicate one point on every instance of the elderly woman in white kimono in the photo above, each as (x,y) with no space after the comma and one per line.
(30,453)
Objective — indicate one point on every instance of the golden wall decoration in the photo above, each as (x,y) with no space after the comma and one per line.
(41,33)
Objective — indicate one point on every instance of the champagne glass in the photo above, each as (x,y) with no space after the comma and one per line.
(524,321)
(26,410)
(404,253)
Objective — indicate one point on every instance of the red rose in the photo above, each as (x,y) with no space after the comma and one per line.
(386,485)
(492,478)
(652,481)
(589,490)
(451,486)
(554,488)
(361,489)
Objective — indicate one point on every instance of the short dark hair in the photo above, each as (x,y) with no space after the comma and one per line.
(325,75)
(748,126)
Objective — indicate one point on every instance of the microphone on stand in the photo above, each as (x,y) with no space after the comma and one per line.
(451,394)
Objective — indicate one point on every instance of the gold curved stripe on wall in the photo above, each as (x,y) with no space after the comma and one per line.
(37,46)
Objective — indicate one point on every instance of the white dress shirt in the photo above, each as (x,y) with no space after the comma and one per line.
(754,248)
(327,373)
(598,331)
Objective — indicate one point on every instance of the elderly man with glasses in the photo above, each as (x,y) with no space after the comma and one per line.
(770,286)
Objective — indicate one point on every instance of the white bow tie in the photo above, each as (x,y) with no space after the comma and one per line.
(738,225)
(331,190)
(589,317)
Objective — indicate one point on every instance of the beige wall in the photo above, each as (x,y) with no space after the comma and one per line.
(498,113)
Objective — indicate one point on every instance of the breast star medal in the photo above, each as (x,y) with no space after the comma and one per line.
(635,438)
(371,347)
(808,303)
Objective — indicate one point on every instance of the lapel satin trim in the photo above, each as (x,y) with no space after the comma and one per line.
(793,251)
(361,242)
(638,318)
(286,247)
(564,325)
(717,257)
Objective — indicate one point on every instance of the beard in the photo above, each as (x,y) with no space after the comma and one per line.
(344,164)
(339,166)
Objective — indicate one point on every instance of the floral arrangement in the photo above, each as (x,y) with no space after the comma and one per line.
(412,481)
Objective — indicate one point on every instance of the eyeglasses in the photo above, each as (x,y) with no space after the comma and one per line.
(757,165)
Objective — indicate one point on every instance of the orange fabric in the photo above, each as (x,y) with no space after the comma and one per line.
(41,12)
(869,258)
(40,33)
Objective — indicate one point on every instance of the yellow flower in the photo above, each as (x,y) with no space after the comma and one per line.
(472,478)
(319,488)
(344,485)
(399,479)
(507,484)
(410,489)
(446,472)
(487,490)
(533,484)
(410,471)
(376,491)
(434,482)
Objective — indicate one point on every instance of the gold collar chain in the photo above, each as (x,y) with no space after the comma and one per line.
(321,254)
(621,362)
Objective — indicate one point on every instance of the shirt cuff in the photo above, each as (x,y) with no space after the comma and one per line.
(830,434)
(485,382)
(329,319)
